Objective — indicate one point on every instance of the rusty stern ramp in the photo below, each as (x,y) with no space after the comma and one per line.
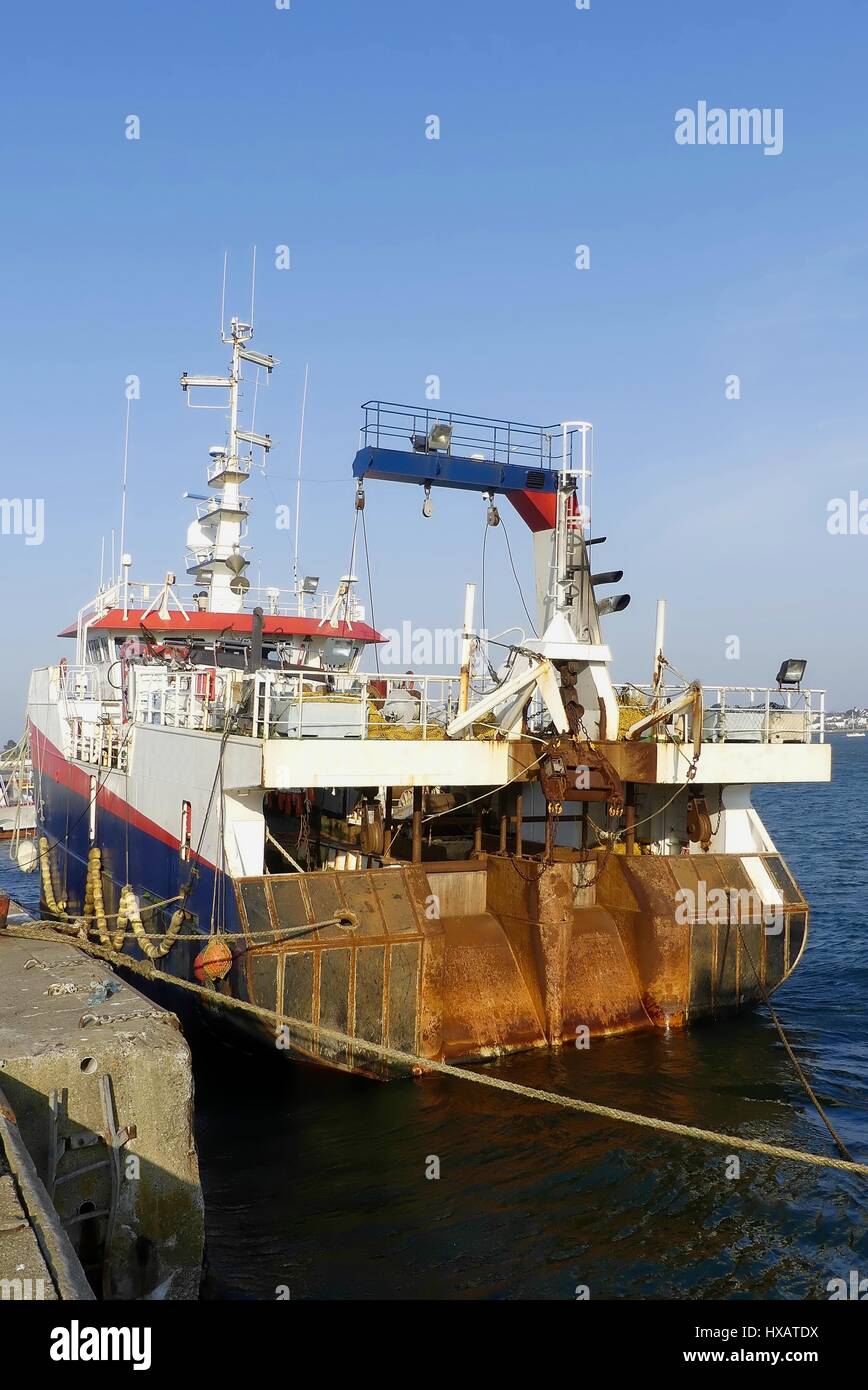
(471,959)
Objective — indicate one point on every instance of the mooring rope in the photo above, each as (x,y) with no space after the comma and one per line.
(44,931)
(800,1071)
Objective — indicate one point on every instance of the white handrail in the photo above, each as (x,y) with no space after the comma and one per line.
(275,602)
(344,704)
(728,719)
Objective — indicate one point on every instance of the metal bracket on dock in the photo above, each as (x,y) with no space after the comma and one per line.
(113,1137)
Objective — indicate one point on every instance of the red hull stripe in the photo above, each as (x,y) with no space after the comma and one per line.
(48,759)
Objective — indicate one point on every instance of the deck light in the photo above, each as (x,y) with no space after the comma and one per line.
(340,651)
(310,584)
(791,673)
(440,437)
(616,604)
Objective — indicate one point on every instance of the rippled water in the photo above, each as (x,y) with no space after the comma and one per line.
(317,1182)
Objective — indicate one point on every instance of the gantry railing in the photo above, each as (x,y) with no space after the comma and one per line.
(324,704)
(735,713)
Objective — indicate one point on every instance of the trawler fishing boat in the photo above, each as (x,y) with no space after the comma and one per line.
(515,856)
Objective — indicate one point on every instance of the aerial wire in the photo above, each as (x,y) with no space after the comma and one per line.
(298,478)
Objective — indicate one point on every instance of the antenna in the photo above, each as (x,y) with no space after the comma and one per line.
(124,484)
(252,290)
(215,541)
(101,564)
(298,479)
(223,298)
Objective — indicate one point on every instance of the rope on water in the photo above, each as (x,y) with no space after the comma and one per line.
(800,1071)
(43,931)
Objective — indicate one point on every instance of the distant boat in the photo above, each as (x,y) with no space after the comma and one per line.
(854,735)
(17,812)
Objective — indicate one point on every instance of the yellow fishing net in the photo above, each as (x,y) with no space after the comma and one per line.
(631,708)
(380,728)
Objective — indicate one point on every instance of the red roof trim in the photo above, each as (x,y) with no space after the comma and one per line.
(219,623)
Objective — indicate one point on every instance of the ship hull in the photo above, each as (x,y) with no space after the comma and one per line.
(455,960)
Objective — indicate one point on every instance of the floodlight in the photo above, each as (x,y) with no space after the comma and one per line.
(440,437)
(616,604)
(339,651)
(791,673)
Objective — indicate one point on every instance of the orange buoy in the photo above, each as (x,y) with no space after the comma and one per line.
(215,962)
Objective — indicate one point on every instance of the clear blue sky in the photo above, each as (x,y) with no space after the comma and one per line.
(412,257)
